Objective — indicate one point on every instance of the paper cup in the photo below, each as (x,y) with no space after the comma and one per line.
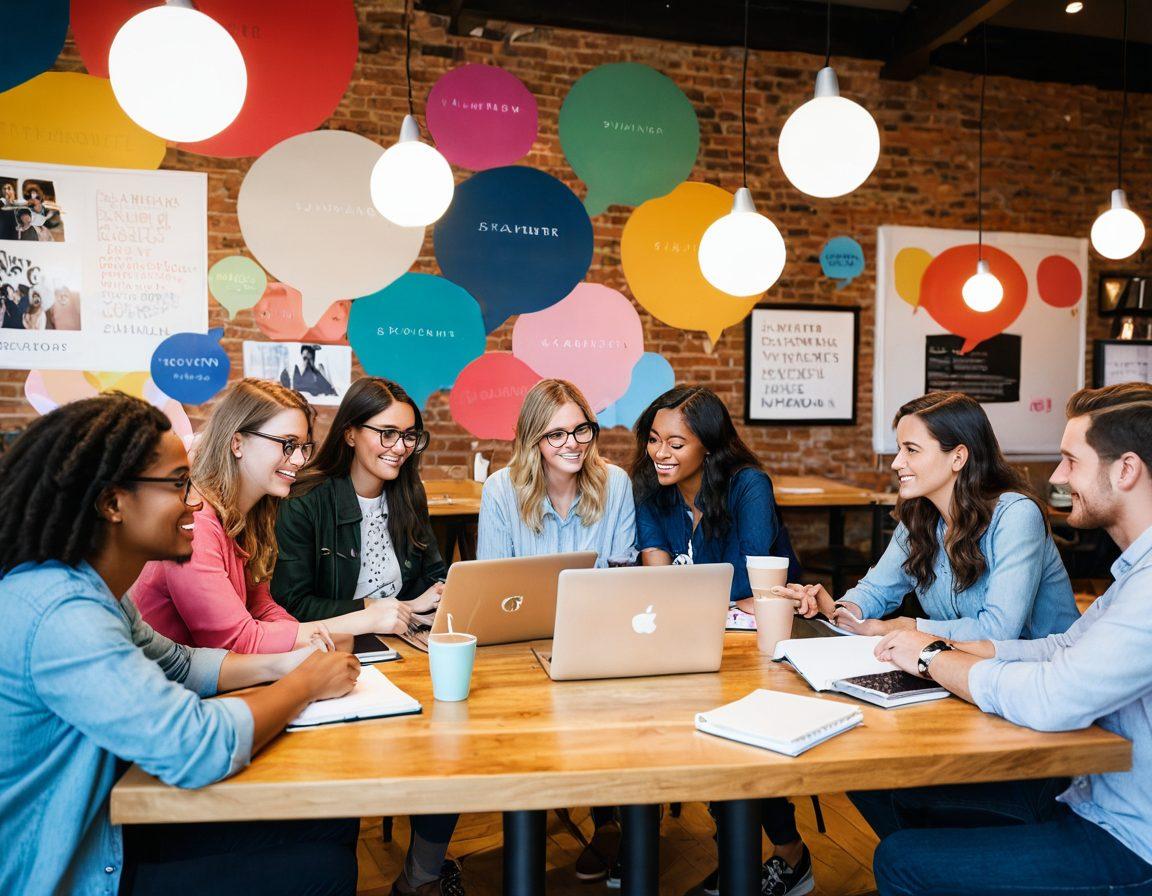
(766,573)
(773,622)
(450,657)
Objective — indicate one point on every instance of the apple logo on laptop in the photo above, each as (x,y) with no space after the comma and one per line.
(644,623)
(512,604)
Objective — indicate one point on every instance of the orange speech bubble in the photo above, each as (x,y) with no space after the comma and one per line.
(944,278)
(1059,282)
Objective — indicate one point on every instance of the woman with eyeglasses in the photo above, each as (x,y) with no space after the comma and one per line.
(247,459)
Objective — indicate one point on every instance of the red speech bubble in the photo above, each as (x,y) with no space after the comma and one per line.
(299,62)
(488,394)
(1059,281)
(944,278)
(280,317)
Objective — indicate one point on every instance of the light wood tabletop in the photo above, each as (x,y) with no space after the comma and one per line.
(523,742)
(817,491)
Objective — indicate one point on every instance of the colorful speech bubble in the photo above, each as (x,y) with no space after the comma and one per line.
(299,63)
(420,331)
(909,267)
(944,278)
(332,328)
(306,213)
(592,338)
(842,258)
(658,252)
(67,118)
(1059,282)
(488,394)
(191,367)
(651,377)
(279,317)
(629,133)
(236,282)
(516,238)
(34,34)
(481,117)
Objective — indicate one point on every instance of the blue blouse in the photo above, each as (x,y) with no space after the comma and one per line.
(664,521)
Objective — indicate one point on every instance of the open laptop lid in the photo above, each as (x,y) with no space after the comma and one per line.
(501,601)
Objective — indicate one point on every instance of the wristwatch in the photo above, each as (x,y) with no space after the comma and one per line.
(928,654)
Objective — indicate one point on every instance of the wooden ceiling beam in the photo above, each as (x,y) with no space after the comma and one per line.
(929,24)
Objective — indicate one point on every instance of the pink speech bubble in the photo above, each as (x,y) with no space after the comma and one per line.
(488,393)
(481,117)
(591,337)
(279,316)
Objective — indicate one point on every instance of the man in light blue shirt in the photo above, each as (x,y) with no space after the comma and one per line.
(1029,837)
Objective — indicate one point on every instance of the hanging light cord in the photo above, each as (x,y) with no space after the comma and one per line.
(408,55)
(828,36)
(744,102)
(1123,100)
(980,154)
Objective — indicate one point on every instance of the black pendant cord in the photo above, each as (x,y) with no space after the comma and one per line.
(828,36)
(744,102)
(980,155)
(408,55)
(1123,100)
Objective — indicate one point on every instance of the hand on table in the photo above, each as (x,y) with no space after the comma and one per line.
(845,618)
(388,616)
(329,674)
(902,647)
(313,636)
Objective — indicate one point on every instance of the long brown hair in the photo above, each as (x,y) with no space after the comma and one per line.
(407,502)
(955,419)
(249,404)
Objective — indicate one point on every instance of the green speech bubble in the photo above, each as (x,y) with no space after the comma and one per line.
(237,282)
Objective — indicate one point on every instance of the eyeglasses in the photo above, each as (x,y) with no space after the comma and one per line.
(414,439)
(291,446)
(182,483)
(583,434)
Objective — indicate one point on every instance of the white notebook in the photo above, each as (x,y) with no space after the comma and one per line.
(785,723)
(373,696)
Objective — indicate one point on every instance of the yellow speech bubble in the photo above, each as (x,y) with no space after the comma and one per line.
(659,254)
(909,267)
(68,118)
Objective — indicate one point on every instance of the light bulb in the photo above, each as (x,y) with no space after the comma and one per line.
(982,291)
(1118,232)
(742,253)
(412,183)
(177,73)
(830,145)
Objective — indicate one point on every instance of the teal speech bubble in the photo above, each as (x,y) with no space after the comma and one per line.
(842,258)
(420,331)
(629,133)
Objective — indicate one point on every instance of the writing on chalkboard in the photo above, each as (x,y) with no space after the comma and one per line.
(990,373)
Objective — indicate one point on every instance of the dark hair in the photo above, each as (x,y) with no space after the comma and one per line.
(53,475)
(1121,419)
(407,503)
(24,212)
(955,419)
(711,423)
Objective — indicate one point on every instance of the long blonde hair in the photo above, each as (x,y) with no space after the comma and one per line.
(527,465)
(249,404)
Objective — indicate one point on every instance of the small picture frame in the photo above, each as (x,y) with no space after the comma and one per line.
(1120,293)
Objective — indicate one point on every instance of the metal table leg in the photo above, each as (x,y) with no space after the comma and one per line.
(640,850)
(738,842)
(524,835)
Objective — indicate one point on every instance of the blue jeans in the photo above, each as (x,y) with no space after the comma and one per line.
(1009,838)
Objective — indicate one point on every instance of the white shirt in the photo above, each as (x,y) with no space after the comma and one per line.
(379,567)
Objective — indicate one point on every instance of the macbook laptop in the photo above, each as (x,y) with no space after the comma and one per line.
(641,620)
(500,601)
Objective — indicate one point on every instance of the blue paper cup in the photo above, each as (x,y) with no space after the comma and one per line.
(450,656)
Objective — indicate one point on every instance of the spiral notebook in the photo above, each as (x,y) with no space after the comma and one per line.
(372,697)
(784,723)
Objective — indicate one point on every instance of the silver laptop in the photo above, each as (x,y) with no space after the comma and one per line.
(642,620)
(501,601)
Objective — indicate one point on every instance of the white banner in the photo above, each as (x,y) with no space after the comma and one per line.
(98,265)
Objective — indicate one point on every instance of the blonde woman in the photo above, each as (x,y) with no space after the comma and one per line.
(247,458)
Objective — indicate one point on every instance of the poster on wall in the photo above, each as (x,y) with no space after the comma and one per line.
(98,266)
(322,373)
(800,365)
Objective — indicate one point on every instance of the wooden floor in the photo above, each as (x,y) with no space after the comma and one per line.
(842,858)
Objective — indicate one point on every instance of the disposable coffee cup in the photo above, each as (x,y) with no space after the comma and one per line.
(773,622)
(451,656)
(766,573)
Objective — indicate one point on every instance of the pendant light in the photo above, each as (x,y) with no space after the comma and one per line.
(829,146)
(412,182)
(177,72)
(1119,232)
(743,252)
(982,291)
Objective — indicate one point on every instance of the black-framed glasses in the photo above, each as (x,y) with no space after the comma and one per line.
(290,445)
(182,483)
(416,440)
(583,434)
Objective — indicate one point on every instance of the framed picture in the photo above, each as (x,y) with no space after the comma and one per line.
(1121,361)
(321,373)
(1119,293)
(800,365)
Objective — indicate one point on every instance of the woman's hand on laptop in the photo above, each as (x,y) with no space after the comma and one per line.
(388,616)
(429,600)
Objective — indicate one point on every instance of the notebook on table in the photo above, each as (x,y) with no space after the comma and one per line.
(784,723)
(369,649)
(849,665)
(372,697)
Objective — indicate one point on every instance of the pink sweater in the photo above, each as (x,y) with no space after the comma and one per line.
(207,601)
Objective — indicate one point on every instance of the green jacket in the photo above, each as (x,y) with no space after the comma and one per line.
(319,562)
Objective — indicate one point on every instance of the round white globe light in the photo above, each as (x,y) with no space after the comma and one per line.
(177,73)
(830,145)
(412,183)
(742,253)
(1118,232)
(982,291)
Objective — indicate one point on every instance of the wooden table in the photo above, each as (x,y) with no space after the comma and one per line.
(523,744)
(456,503)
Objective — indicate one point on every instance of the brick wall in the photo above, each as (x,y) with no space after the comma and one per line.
(1049,152)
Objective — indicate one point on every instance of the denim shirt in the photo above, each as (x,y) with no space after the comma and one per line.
(1023,592)
(84,682)
(1097,672)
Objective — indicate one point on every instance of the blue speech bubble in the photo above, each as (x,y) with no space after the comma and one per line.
(420,331)
(516,238)
(191,367)
(842,258)
(651,377)
(33,37)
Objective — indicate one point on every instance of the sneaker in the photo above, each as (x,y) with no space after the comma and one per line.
(449,883)
(710,886)
(778,878)
(613,881)
(598,856)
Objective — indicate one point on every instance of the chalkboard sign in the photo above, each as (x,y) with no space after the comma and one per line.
(990,373)
(800,365)
(1121,361)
